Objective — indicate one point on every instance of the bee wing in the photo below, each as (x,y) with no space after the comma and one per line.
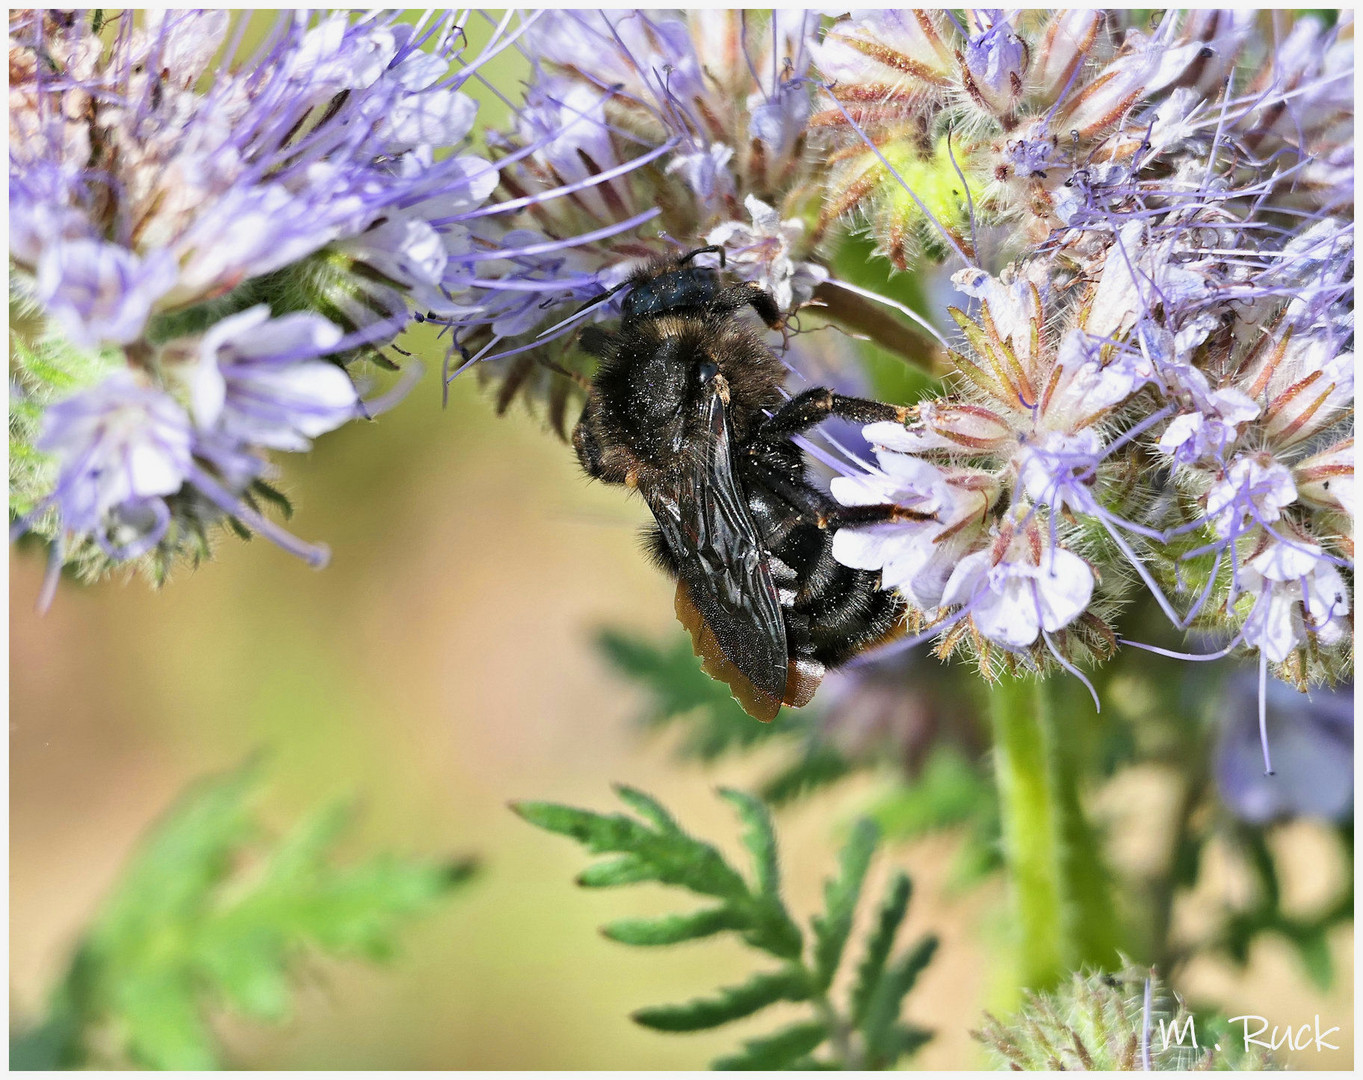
(725,577)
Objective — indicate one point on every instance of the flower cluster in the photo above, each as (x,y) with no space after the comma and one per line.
(1161,393)
(642,134)
(941,127)
(200,256)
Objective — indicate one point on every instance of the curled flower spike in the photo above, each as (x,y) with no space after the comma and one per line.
(1162,383)
(208,252)
(940,128)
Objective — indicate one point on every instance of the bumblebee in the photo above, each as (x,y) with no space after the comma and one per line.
(686,407)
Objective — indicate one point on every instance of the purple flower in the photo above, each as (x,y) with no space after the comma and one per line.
(259,380)
(1297,592)
(101,292)
(1313,746)
(312,142)
(119,448)
(641,134)
(1020,587)
(997,62)
(325,172)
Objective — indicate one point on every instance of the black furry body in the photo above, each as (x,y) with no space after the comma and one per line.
(679,410)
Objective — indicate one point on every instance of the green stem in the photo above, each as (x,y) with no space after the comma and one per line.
(1060,893)
(1030,843)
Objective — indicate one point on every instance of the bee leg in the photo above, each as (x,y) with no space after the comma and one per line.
(598,342)
(817,404)
(876,514)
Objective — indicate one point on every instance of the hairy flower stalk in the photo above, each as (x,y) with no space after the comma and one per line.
(201,256)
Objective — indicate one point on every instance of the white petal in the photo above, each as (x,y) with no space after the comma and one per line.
(1009,618)
(865,490)
(151,471)
(964,578)
(1064,588)
(867,548)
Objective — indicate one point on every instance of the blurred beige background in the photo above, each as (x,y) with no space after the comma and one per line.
(440,667)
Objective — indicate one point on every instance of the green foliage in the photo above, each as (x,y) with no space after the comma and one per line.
(209,915)
(714,724)
(868,1034)
(1102,1021)
(680,689)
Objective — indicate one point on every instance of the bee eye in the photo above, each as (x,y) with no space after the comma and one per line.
(708,370)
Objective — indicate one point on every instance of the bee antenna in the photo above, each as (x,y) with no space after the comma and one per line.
(709,249)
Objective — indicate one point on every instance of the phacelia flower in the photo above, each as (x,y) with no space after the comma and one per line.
(1159,386)
(208,252)
(941,126)
(641,134)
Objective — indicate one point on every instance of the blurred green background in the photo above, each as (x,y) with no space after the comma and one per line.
(443,665)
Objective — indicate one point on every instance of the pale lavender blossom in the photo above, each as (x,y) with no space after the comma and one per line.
(119,449)
(655,133)
(259,380)
(1313,752)
(176,232)
(1020,587)
(101,292)
(1180,411)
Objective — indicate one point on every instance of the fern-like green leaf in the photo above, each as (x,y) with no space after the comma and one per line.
(665,855)
(672,929)
(730,1003)
(879,944)
(841,894)
(818,766)
(678,688)
(191,926)
(758,914)
(880,1028)
(787,1048)
(775,931)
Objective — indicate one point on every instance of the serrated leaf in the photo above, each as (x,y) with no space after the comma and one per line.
(779,1051)
(883,1013)
(186,929)
(879,944)
(679,690)
(760,839)
(840,900)
(672,857)
(773,928)
(646,806)
(626,870)
(672,929)
(731,1003)
(819,766)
